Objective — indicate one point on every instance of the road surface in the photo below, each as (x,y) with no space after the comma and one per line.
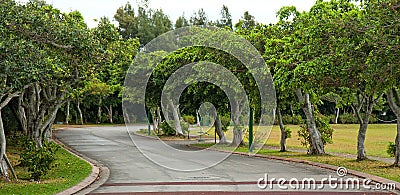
(131,171)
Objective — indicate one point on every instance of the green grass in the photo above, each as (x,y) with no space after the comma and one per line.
(68,171)
(373,167)
(344,138)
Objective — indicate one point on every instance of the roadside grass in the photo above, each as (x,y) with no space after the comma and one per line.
(344,138)
(372,167)
(68,171)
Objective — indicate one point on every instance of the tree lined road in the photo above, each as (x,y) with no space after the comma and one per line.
(130,171)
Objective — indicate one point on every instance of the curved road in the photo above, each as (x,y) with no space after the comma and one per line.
(131,172)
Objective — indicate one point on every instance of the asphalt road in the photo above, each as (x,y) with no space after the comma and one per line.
(131,171)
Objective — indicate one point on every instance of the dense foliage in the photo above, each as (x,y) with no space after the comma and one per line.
(340,59)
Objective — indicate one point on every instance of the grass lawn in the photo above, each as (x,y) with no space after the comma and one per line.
(373,167)
(344,138)
(68,171)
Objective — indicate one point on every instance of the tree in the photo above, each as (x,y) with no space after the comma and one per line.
(291,56)
(126,21)
(381,30)
(69,51)
(246,22)
(226,18)
(199,18)
(181,22)
(145,24)
(11,71)
(106,86)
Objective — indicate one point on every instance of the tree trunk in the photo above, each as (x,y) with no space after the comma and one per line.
(154,118)
(177,122)
(291,109)
(4,162)
(363,121)
(3,165)
(67,115)
(218,129)
(317,146)
(158,119)
(99,115)
(78,106)
(394,103)
(237,129)
(110,114)
(198,118)
(361,154)
(21,115)
(337,115)
(283,131)
(397,142)
(47,126)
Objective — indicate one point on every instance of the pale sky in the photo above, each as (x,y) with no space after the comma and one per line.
(264,11)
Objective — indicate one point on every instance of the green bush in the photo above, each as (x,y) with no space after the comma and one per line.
(168,128)
(225,121)
(38,160)
(185,127)
(332,118)
(294,120)
(348,118)
(17,139)
(391,149)
(189,119)
(288,132)
(324,128)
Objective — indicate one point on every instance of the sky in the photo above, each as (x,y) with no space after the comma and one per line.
(264,11)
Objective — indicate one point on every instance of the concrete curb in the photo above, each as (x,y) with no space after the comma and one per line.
(97,177)
(362,175)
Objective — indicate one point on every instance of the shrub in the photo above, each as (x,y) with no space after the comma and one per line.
(324,128)
(168,128)
(38,160)
(189,119)
(185,127)
(297,120)
(294,120)
(226,122)
(348,118)
(17,139)
(391,149)
(288,132)
(332,118)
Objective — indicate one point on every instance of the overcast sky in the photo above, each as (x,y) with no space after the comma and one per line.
(263,10)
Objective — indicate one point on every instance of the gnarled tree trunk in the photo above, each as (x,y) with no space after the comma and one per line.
(337,115)
(177,122)
(317,146)
(37,109)
(110,113)
(369,102)
(78,106)
(4,162)
(237,129)
(218,129)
